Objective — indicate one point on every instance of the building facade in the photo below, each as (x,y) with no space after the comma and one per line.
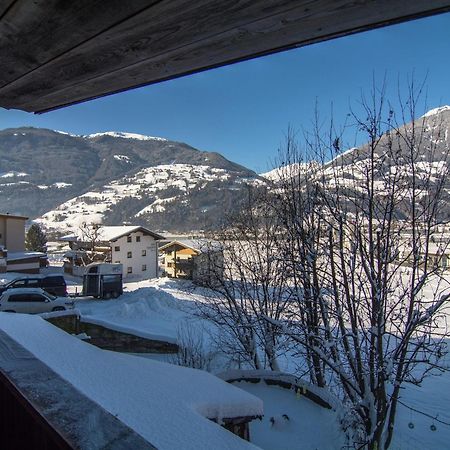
(137,251)
(135,247)
(12,232)
(199,260)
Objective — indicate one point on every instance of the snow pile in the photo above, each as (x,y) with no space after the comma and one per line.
(168,405)
(65,313)
(147,311)
(105,233)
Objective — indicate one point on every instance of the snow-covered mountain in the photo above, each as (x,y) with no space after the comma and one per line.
(165,196)
(116,177)
(123,135)
(350,168)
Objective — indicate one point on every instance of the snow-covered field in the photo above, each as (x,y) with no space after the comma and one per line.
(157,308)
(291,421)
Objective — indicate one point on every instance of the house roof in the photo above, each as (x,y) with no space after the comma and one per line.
(13,256)
(59,53)
(112,233)
(198,245)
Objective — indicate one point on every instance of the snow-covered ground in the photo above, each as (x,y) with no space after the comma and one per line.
(150,309)
(291,421)
(156,309)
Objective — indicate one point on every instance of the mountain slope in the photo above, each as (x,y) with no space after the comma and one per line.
(171,197)
(397,156)
(49,171)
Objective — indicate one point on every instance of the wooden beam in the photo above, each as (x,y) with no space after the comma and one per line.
(75,51)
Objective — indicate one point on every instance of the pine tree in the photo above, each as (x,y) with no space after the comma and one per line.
(36,239)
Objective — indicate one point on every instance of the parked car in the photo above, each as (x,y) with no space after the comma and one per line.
(33,301)
(53,284)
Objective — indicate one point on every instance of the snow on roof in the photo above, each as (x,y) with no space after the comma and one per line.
(437,110)
(166,404)
(69,237)
(110,233)
(12,256)
(121,134)
(199,245)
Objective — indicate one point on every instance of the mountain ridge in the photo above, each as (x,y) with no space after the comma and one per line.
(118,177)
(41,169)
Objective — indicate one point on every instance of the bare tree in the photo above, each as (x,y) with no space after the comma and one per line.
(90,241)
(249,286)
(359,231)
(192,350)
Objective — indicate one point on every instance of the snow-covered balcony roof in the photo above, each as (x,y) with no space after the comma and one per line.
(166,404)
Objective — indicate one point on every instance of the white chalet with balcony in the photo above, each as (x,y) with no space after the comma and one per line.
(134,247)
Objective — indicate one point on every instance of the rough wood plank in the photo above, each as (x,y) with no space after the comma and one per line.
(174,38)
(34,33)
(4,6)
(165,27)
(236,44)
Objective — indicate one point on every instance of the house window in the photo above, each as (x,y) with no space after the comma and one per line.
(117,248)
(144,267)
(138,239)
(129,255)
(144,252)
(128,238)
(129,270)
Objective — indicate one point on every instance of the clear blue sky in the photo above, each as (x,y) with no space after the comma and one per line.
(244,110)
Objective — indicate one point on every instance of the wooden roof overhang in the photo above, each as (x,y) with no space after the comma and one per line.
(56,53)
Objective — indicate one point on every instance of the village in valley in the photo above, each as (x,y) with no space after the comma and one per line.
(175,311)
(258,333)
